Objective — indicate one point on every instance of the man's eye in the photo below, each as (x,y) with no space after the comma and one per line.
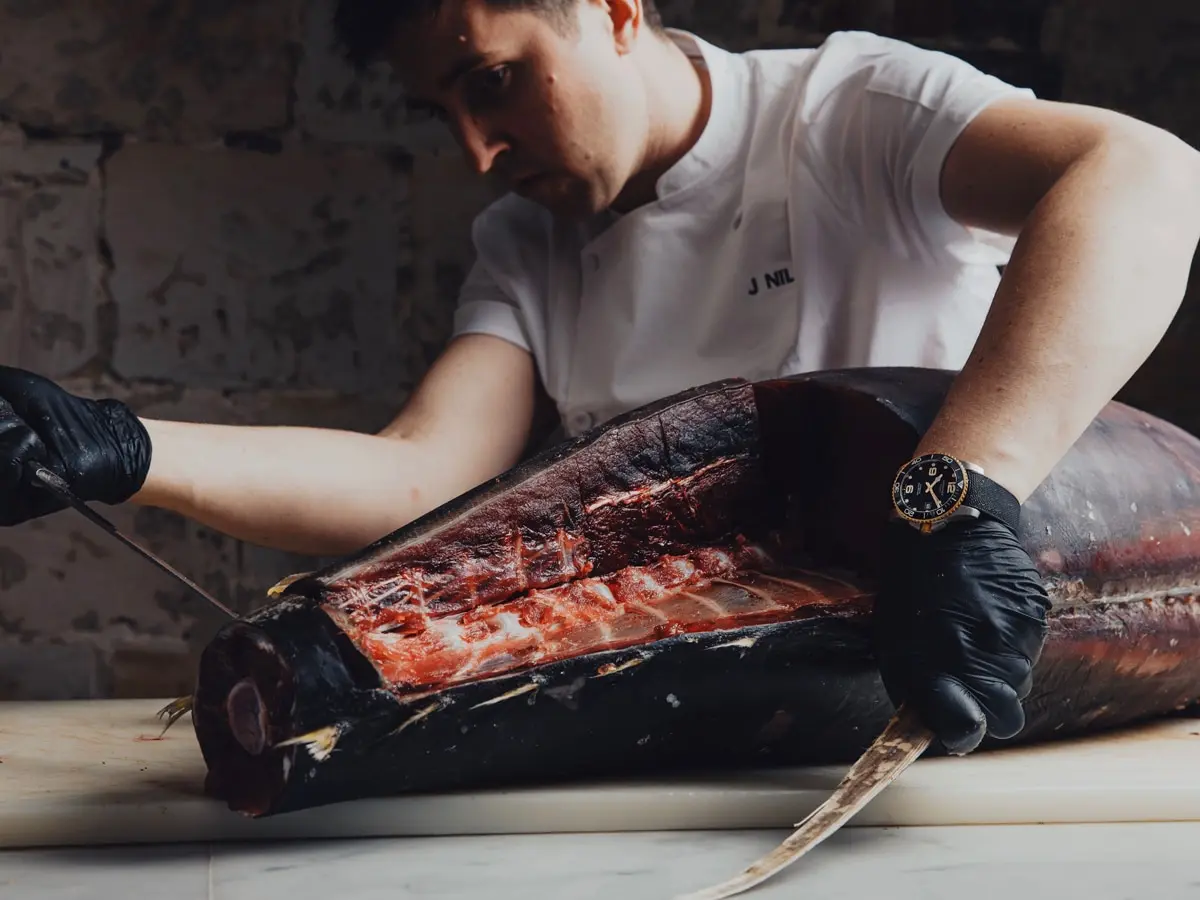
(488,86)
(496,77)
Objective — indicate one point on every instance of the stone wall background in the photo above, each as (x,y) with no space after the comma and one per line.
(204,212)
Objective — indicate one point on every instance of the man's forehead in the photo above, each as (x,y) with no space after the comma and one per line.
(449,22)
(430,47)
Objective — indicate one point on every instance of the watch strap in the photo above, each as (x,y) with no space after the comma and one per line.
(992,500)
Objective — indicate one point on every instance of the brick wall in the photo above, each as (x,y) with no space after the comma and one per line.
(205,213)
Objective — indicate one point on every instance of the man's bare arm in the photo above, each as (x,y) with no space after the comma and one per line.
(1108,211)
(328,492)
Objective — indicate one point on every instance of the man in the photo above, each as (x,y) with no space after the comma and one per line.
(681,214)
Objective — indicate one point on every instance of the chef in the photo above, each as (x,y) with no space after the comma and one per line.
(677,214)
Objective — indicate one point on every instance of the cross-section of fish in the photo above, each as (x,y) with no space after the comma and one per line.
(688,586)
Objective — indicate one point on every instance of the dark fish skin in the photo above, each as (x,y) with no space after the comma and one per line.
(801,466)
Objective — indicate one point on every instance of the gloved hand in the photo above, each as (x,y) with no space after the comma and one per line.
(99,447)
(959,624)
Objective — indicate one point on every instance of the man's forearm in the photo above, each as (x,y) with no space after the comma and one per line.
(329,492)
(1094,281)
(307,490)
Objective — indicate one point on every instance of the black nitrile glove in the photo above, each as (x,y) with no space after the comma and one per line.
(99,447)
(960,622)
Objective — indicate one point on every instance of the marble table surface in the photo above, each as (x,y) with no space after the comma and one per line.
(1099,862)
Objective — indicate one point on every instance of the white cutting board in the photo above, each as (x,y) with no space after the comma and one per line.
(75,773)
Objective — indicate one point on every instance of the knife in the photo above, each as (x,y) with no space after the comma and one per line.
(47,479)
(899,745)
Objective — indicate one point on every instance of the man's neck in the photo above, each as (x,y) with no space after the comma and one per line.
(679,97)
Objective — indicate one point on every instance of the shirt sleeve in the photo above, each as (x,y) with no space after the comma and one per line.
(498,296)
(877,118)
(484,308)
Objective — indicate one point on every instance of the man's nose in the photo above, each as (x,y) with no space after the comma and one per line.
(481,144)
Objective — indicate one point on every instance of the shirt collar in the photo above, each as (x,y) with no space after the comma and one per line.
(718,141)
(721,136)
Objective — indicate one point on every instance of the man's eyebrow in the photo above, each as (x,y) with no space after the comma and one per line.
(459,69)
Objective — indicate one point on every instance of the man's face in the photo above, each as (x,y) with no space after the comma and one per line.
(553,108)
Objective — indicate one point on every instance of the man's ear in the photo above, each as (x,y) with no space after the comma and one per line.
(627,19)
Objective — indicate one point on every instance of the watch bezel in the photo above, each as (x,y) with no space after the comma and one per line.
(926,523)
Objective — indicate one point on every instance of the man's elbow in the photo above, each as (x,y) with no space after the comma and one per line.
(1164,167)
(1180,164)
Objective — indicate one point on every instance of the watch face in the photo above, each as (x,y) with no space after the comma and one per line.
(929,487)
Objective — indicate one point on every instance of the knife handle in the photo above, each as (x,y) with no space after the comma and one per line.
(43,477)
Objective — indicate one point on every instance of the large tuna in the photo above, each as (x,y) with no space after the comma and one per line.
(687,586)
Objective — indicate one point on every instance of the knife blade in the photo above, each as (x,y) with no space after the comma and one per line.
(899,745)
(47,479)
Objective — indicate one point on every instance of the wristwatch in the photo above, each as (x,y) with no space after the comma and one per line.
(933,490)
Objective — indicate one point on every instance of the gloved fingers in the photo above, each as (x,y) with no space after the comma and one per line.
(1013,670)
(899,655)
(100,447)
(1005,642)
(1026,634)
(1022,685)
(19,388)
(20,499)
(1002,706)
(11,469)
(18,445)
(950,711)
(27,504)
(11,473)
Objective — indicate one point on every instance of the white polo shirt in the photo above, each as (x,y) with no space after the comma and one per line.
(803,231)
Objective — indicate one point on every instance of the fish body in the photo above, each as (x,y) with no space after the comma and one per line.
(686,587)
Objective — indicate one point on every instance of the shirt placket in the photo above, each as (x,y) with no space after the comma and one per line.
(597,334)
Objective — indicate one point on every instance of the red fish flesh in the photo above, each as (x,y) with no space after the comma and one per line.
(688,586)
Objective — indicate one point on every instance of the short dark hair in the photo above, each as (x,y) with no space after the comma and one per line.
(365,27)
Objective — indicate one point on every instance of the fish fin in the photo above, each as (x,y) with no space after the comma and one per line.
(174,711)
(515,692)
(281,586)
(319,743)
(416,717)
(898,747)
